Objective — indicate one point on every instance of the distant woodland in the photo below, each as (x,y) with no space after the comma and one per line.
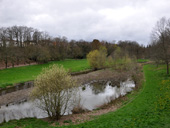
(25,45)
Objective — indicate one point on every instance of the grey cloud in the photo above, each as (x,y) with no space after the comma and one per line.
(87,19)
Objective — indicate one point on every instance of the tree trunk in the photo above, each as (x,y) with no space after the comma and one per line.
(6,63)
(167,67)
(17,61)
(12,64)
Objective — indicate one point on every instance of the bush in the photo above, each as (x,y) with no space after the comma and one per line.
(54,91)
(97,58)
(121,61)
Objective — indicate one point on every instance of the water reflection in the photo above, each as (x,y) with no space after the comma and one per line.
(91,96)
(19,111)
(96,94)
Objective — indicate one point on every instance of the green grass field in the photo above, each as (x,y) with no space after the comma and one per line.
(26,73)
(142,60)
(149,109)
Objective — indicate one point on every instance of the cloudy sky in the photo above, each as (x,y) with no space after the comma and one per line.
(87,19)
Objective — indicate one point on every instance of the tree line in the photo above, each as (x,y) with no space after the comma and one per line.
(24,45)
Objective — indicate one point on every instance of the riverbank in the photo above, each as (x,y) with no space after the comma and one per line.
(84,77)
(148,107)
(8,77)
(100,75)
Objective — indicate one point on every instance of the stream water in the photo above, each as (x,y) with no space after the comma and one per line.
(92,96)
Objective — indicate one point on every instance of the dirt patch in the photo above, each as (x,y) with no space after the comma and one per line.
(83,117)
(20,65)
(15,97)
(103,75)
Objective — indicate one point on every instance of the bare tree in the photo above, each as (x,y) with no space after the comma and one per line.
(16,34)
(43,54)
(5,42)
(37,36)
(161,41)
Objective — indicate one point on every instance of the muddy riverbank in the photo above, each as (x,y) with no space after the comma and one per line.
(100,75)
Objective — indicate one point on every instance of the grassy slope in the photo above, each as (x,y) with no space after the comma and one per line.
(21,74)
(145,110)
(151,108)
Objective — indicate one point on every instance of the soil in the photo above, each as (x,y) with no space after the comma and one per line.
(83,117)
(2,66)
(15,97)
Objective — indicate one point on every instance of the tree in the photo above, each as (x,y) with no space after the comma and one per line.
(61,46)
(54,52)
(43,54)
(161,41)
(12,55)
(4,51)
(85,47)
(97,58)
(103,56)
(75,50)
(121,60)
(95,44)
(55,90)
(132,48)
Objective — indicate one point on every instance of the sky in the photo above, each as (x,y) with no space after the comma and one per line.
(109,20)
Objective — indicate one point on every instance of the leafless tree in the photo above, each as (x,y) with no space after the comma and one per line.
(5,42)
(161,41)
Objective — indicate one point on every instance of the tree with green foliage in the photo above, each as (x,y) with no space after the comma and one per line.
(97,58)
(121,60)
(54,91)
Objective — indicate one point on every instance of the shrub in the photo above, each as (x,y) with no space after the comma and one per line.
(97,58)
(54,91)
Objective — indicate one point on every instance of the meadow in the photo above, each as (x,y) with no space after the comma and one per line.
(146,108)
(21,74)
(142,60)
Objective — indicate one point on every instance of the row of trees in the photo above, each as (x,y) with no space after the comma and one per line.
(118,60)
(21,45)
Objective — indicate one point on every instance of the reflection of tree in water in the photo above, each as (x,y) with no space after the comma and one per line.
(83,88)
(114,83)
(98,87)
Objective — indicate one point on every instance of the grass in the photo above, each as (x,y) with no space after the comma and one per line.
(142,60)
(26,73)
(149,109)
